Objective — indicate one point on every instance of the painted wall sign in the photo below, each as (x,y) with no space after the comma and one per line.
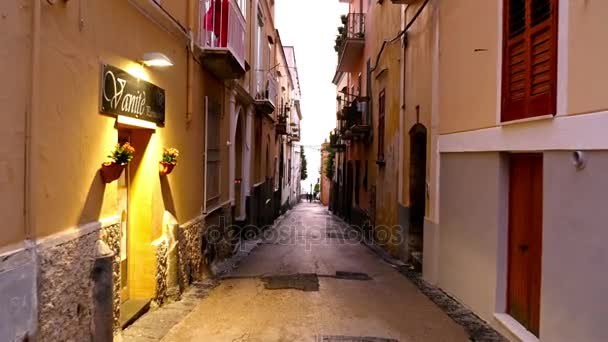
(124,94)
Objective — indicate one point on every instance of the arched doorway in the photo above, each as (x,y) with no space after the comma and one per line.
(239,191)
(418,142)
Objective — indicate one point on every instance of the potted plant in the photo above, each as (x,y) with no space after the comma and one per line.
(169,161)
(121,156)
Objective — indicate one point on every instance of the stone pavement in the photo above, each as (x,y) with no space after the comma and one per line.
(307,279)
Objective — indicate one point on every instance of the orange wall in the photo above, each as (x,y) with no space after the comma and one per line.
(71,138)
(15,68)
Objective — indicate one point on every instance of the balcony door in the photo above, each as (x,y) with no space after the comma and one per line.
(259,52)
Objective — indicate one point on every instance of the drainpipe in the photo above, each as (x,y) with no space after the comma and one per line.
(206,155)
(401,181)
(27,182)
(189,66)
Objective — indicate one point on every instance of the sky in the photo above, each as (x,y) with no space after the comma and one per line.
(311,27)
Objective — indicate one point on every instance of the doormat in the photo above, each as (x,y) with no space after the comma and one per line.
(352,275)
(301,281)
(354,339)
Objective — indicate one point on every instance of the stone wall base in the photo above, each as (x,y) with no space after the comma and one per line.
(18,295)
(57,292)
(65,286)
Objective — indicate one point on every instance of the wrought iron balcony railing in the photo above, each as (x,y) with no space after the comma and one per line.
(266,91)
(351,41)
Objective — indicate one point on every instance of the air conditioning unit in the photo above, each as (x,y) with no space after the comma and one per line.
(405,2)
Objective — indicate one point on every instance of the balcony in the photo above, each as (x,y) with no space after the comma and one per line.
(266,92)
(295,132)
(335,142)
(281,126)
(222,38)
(356,120)
(351,42)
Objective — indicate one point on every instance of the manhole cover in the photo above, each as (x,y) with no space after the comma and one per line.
(354,339)
(304,282)
(352,275)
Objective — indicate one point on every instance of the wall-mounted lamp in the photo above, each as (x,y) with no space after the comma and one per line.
(156,59)
(579,160)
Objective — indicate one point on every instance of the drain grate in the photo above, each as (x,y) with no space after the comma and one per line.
(300,281)
(352,275)
(354,339)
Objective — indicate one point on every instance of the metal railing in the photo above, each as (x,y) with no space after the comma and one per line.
(355,26)
(266,87)
(357,113)
(222,26)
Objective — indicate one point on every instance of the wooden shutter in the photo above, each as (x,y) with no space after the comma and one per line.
(213,153)
(529,59)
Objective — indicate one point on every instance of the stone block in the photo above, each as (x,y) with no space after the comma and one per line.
(17,295)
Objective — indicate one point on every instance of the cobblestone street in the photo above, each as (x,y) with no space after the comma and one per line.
(305,282)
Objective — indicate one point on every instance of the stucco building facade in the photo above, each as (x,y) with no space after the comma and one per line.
(495,144)
(78,249)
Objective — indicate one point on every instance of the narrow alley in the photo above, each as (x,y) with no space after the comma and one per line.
(303,170)
(342,291)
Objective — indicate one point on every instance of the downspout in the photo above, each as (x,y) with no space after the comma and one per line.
(401,181)
(206,155)
(29,229)
(189,68)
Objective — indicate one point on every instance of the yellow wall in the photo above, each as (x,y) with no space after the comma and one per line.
(15,68)
(71,138)
(468,79)
(418,88)
(384,23)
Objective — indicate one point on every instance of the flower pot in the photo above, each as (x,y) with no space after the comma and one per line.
(165,168)
(111,171)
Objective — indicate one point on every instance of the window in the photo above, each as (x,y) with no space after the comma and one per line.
(529,59)
(213,153)
(381,114)
(243,7)
(259,49)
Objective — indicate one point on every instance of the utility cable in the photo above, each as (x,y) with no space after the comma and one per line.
(403,32)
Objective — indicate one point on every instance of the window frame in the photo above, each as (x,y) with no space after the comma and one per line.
(213,154)
(530,106)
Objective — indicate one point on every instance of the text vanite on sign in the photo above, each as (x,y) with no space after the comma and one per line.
(124,94)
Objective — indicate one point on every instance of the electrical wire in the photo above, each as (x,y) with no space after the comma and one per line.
(403,32)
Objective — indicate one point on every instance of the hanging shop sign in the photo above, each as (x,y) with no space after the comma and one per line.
(124,94)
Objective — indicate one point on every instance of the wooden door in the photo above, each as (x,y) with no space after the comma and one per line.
(525,239)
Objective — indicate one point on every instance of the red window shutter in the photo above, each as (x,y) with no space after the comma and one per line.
(530,59)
